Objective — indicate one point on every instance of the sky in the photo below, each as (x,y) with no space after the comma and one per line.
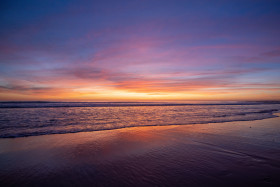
(139,50)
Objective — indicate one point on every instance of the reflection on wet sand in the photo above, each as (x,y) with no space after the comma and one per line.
(234,153)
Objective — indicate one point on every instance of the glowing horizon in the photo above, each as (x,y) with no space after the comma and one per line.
(140,50)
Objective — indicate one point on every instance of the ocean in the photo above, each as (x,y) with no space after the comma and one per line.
(19,119)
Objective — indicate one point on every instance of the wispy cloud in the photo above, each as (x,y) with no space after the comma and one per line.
(113,50)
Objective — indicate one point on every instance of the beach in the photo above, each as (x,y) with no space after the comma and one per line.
(140,93)
(240,153)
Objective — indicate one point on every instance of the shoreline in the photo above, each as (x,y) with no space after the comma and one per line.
(274,115)
(230,153)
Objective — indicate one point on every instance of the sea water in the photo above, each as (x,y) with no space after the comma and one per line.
(18,119)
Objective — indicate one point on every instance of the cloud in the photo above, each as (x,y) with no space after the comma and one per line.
(73,78)
(139,47)
(274,53)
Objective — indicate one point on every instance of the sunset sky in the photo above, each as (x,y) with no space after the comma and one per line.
(139,50)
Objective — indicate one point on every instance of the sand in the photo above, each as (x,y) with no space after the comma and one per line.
(245,153)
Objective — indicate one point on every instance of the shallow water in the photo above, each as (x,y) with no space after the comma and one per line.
(38,118)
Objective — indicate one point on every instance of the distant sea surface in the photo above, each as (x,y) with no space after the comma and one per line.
(18,119)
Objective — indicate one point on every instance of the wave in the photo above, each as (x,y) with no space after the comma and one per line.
(269,114)
(46,104)
(52,118)
(246,113)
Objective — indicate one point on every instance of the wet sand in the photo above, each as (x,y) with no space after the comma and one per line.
(219,154)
